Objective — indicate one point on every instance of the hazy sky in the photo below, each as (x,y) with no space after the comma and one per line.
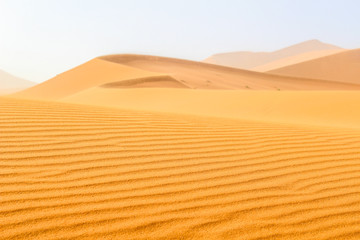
(41,38)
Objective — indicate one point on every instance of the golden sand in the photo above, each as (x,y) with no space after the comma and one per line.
(81,172)
(320,108)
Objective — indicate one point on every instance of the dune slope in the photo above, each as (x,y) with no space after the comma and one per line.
(77,172)
(199,75)
(340,67)
(250,60)
(139,71)
(93,73)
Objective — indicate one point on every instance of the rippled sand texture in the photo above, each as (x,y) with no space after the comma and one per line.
(77,172)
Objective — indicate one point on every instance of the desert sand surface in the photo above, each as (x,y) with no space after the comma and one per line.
(83,172)
(343,66)
(136,71)
(321,108)
(145,147)
(11,84)
(252,60)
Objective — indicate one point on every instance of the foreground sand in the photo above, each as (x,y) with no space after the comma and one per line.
(80,172)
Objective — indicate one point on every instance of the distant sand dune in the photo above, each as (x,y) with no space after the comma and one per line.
(283,62)
(78,172)
(252,60)
(340,67)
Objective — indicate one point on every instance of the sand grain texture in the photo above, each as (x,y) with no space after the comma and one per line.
(81,172)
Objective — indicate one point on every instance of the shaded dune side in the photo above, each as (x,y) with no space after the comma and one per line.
(76,172)
(341,67)
(201,75)
(148,82)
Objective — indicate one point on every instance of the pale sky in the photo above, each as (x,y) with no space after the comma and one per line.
(42,38)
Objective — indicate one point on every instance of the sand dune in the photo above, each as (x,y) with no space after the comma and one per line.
(77,172)
(93,73)
(10,84)
(341,67)
(321,108)
(199,75)
(138,71)
(251,60)
(283,62)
